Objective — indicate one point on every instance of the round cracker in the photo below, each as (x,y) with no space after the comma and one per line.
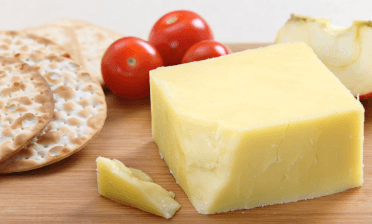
(94,41)
(26,103)
(80,107)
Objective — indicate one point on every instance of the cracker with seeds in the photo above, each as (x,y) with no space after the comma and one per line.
(80,107)
(63,36)
(26,104)
(94,41)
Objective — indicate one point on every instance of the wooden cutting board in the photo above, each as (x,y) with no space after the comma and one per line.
(66,192)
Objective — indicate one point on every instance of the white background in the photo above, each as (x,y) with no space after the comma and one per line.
(232,21)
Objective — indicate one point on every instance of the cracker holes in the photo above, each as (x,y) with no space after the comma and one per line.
(12,107)
(41,154)
(30,122)
(86,76)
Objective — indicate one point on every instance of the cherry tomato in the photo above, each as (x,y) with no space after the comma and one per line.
(204,50)
(174,33)
(126,64)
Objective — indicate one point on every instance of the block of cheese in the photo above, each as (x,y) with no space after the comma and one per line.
(133,187)
(255,128)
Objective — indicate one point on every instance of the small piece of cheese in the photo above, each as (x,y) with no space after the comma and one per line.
(132,187)
(255,128)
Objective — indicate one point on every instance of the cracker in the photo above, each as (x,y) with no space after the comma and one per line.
(94,41)
(63,36)
(19,45)
(26,104)
(80,108)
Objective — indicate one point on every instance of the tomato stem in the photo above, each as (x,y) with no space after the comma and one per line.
(132,61)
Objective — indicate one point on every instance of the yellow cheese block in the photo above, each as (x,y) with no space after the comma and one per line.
(255,128)
(132,187)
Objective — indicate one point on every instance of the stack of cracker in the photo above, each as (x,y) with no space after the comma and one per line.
(52,103)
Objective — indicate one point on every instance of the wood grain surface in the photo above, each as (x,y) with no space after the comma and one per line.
(66,192)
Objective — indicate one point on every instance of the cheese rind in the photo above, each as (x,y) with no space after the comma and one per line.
(132,187)
(256,128)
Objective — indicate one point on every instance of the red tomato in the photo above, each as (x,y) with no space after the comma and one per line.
(204,50)
(126,64)
(174,33)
